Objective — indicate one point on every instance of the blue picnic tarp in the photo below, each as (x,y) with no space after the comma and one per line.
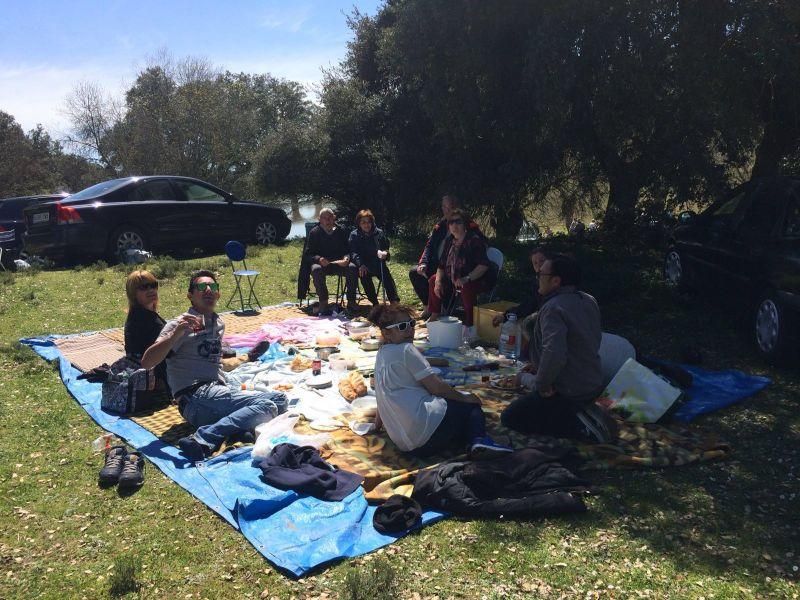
(713,390)
(293,531)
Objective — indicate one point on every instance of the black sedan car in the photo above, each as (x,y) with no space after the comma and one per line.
(748,245)
(157,213)
(12,220)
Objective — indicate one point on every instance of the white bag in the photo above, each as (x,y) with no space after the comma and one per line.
(638,394)
(280,430)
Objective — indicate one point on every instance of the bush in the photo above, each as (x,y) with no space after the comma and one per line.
(125,576)
(376,581)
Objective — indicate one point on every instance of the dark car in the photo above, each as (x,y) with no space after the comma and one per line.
(747,245)
(158,213)
(13,220)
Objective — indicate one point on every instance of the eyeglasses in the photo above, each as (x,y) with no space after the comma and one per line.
(203,286)
(152,285)
(456,222)
(402,325)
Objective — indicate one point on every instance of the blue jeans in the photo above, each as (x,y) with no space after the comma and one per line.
(219,411)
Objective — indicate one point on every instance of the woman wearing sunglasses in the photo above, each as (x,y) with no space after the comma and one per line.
(422,414)
(465,269)
(143,324)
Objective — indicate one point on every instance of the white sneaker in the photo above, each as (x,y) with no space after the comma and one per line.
(470,333)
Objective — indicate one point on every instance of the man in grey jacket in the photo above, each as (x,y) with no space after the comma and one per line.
(564,342)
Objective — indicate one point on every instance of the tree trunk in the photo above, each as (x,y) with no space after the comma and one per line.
(623,194)
(508,219)
(770,151)
(296,216)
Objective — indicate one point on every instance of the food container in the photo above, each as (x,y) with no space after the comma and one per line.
(324,352)
(328,339)
(370,344)
(356,327)
(341,363)
(447,332)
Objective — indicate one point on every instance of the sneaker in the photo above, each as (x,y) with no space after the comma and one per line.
(486,448)
(243,437)
(258,350)
(132,471)
(194,450)
(599,425)
(115,458)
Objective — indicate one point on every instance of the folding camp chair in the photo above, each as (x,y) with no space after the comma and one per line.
(237,253)
(311,293)
(7,239)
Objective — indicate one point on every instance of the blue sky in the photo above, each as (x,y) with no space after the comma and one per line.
(47,47)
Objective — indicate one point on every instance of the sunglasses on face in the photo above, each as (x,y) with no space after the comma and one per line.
(402,326)
(203,286)
(153,285)
(456,222)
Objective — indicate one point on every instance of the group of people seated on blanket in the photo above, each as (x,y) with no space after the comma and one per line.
(420,412)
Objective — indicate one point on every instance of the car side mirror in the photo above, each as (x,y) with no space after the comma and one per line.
(230,199)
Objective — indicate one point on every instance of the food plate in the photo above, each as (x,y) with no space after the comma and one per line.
(320,381)
(498,385)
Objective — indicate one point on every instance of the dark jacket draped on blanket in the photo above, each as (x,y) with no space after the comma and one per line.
(527,483)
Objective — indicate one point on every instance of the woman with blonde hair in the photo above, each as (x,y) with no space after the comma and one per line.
(144,324)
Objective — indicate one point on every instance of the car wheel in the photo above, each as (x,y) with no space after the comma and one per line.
(126,237)
(266,233)
(771,326)
(675,269)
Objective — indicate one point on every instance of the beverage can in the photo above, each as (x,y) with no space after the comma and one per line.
(316,366)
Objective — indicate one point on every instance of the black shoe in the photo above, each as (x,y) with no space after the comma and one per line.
(599,425)
(243,437)
(258,350)
(132,471)
(194,450)
(115,459)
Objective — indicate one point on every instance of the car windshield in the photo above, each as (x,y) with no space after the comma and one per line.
(99,189)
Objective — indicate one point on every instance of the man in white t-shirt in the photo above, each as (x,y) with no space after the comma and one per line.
(422,414)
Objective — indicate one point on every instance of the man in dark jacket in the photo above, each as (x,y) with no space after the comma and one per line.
(564,351)
(328,253)
(432,253)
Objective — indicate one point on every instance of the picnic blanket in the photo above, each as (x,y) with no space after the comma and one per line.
(288,528)
(294,532)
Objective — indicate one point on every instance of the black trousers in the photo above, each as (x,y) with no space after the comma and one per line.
(318,275)
(369,285)
(420,284)
(462,423)
(536,414)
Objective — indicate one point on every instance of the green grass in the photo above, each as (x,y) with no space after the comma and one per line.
(727,529)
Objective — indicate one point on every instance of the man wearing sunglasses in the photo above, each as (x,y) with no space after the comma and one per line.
(564,358)
(192,347)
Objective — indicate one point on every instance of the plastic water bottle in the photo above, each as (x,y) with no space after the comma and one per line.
(510,338)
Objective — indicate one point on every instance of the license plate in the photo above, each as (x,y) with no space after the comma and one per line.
(41,217)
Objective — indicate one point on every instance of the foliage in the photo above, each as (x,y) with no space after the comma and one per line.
(125,576)
(377,580)
(187,118)
(34,163)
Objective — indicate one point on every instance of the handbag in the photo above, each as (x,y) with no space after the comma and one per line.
(638,394)
(127,388)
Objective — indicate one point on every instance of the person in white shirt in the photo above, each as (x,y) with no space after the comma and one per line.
(421,413)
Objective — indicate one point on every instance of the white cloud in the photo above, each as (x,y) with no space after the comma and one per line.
(286,18)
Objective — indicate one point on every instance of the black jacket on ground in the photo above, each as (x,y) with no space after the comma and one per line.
(525,483)
(302,469)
